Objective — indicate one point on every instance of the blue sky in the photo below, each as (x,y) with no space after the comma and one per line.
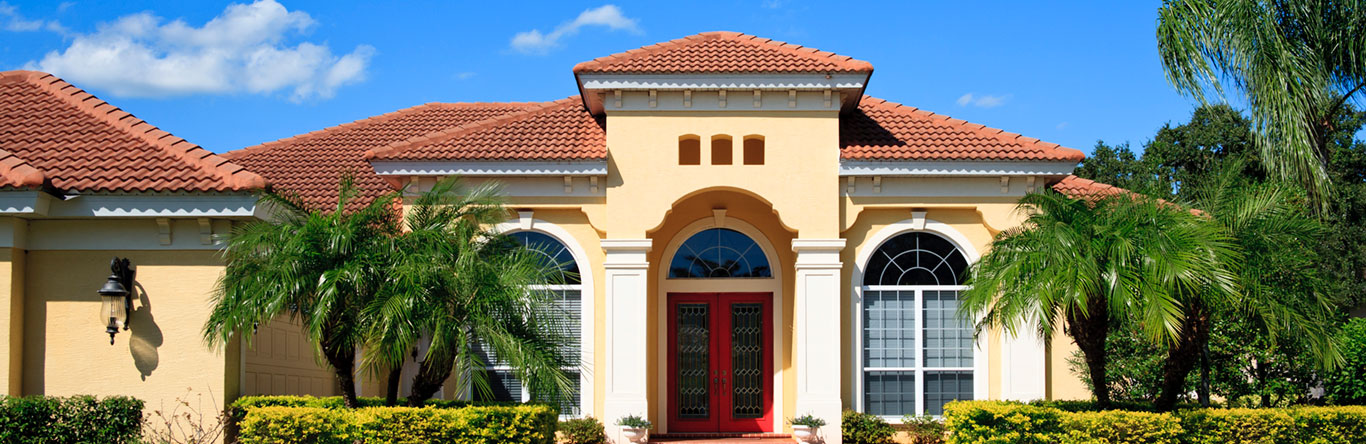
(228,75)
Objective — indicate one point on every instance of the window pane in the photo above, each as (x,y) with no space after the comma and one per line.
(948,338)
(555,257)
(503,384)
(888,328)
(889,393)
(719,253)
(570,304)
(916,258)
(942,387)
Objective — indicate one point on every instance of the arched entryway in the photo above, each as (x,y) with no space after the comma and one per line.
(722,299)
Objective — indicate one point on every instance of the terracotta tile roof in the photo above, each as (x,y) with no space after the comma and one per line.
(55,134)
(558,130)
(722,52)
(882,130)
(1078,188)
(311,164)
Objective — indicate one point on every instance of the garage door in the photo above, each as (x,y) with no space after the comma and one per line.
(281,362)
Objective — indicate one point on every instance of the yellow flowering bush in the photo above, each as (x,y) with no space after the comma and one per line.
(991,422)
(521,424)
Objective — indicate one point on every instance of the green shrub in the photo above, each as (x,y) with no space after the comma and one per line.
(1237,426)
(74,420)
(522,424)
(586,430)
(999,422)
(238,408)
(1330,425)
(862,428)
(1121,427)
(1011,422)
(1347,384)
(923,429)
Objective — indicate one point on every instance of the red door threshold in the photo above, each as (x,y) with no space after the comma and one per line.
(723,438)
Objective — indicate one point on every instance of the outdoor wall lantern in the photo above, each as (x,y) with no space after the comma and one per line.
(116,297)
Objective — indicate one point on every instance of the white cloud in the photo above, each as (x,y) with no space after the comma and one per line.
(244,49)
(609,16)
(11,20)
(1063,125)
(982,101)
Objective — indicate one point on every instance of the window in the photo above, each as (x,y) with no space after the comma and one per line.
(754,150)
(721,151)
(689,150)
(719,253)
(567,289)
(917,352)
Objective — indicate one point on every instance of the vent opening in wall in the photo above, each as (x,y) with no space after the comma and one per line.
(689,150)
(721,150)
(754,150)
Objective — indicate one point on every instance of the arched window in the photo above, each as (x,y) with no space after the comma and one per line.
(689,150)
(719,253)
(567,289)
(917,353)
(721,150)
(754,150)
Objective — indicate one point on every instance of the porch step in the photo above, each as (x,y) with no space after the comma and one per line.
(723,438)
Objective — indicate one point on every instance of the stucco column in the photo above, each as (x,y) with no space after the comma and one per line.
(13,235)
(818,326)
(625,265)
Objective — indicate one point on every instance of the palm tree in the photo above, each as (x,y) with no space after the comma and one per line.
(1080,264)
(1280,290)
(1296,62)
(465,288)
(318,267)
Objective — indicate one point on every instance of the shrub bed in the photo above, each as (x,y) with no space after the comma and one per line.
(470,424)
(981,422)
(74,420)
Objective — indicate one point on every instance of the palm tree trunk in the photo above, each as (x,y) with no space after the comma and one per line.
(431,375)
(1183,356)
(391,393)
(343,362)
(1090,333)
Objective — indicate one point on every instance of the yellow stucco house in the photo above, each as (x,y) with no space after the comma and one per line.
(755,238)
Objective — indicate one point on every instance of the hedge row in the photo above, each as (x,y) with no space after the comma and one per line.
(73,420)
(522,424)
(991,422)
(238,409)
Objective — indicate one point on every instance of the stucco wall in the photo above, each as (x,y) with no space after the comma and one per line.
(66,351)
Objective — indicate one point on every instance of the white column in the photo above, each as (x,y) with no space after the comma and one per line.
(817,316)
(626,265)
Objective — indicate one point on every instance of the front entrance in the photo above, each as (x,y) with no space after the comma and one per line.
(720,362)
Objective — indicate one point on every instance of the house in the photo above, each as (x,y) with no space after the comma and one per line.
(754,237)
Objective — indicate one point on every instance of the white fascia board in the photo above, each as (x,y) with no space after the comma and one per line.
(24,203)
(723,81)
(156,205)
(955,168)
(477,168)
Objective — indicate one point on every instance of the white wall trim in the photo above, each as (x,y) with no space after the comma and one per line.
(587,294)
(954,168)
(722,81)
(981,373)
(489,168)
(666,285)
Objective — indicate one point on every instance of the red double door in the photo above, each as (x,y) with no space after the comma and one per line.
(720,362)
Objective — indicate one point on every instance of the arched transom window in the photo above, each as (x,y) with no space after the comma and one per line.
(719,253)
(917,353)
(567,288)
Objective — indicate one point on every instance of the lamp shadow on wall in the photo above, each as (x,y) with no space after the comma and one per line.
(146,335)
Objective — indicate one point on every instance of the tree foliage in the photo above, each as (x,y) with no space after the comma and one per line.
(1297,64)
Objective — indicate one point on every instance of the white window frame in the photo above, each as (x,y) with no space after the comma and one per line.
(587,296)
(979,367)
